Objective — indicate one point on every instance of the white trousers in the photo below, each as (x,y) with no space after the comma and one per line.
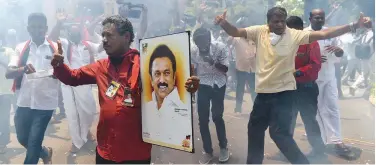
(80,109)
(352,65)
(365,66)
(328,115)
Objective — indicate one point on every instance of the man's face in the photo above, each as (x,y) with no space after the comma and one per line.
(113,42)
(317,19)
(203,43)
(163,77)
(37,29)
(74,34)
(277,24)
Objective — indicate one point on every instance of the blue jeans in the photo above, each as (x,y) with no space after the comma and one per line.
(5,102)
(216,96)
(242,78)
(30,126)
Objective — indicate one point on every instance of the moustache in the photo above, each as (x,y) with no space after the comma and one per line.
(162,85)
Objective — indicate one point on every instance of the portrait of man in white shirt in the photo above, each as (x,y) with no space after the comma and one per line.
(166,115)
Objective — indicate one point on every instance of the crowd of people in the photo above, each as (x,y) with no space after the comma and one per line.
(286,67)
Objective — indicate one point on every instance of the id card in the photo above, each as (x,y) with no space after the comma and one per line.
(128,98)
(112,89)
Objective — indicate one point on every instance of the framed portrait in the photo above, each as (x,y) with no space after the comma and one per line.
(166,105)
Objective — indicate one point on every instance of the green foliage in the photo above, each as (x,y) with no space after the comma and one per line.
(293,7)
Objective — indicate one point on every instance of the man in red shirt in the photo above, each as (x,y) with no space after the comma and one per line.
(119,129)
(307,65)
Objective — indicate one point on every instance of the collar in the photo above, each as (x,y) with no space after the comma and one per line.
(44,43)
(171,99)
(268,29)
(120,59)
(310,28)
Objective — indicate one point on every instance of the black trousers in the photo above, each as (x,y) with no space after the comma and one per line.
(273,110)
(305,103)
(100,160)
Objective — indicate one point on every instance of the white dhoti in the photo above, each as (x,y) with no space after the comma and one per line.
(80,109)
(328,115)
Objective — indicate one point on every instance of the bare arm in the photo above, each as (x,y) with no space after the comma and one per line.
(232,30)
(14,72)
(55,32)
(329,33)
(363,22)
(144,22)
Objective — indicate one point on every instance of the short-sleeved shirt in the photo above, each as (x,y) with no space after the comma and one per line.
(275,64)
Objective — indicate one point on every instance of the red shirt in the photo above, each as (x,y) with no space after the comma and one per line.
(308,61)
(119,131)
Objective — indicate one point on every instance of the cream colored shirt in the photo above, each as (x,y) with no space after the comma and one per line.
(275,64)
(245,52)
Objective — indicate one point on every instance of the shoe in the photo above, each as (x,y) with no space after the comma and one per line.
(74,149)
(224,155)
(61,116)
(344,151)
(48,159)
(206,158)
(54,121)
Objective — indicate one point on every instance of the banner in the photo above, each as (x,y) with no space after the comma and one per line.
(166,104)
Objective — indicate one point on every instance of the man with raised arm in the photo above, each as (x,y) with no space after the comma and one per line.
(119,131)
(275,82)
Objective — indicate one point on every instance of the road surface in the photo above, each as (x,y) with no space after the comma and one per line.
(358,129)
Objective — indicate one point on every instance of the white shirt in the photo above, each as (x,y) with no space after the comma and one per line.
(171,123)
(80,54)
(346,42)
(37,93)
(327,71)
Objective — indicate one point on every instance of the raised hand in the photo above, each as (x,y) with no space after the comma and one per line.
(58,58)
(220,18)
(61,16)
(364,22)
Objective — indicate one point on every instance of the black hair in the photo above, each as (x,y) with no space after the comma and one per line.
(122,25)
(201,32)
(311,14)
(160,52)
(37,17)
(280,11)
(295,22)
